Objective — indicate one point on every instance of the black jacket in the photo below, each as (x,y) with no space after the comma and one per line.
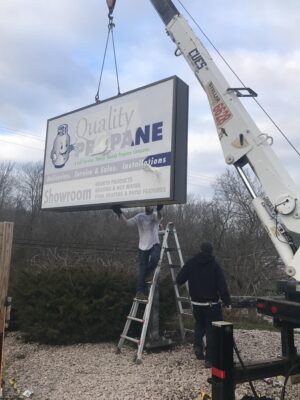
(205,278)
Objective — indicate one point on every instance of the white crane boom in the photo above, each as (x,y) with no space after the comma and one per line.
(242,142)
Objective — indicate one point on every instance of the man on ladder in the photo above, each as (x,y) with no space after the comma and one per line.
(142,310)
(149,245)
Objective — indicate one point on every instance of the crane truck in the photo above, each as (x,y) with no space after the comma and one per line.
(245,146)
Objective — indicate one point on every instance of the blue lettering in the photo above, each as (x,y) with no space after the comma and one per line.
(140,134)
(157,131)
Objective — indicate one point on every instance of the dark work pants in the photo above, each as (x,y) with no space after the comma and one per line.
(148,262)
(204,316)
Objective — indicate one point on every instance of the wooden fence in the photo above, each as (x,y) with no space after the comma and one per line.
(6,238)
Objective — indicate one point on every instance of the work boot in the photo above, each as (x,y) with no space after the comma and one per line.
(199,355)
(141,296)
(199,352)
(149,277)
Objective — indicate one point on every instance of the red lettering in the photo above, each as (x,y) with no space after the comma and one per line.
(221,114)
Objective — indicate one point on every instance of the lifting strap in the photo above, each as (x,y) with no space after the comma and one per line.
(111,25)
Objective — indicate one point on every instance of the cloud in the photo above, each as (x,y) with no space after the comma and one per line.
(51,55)
(11,146)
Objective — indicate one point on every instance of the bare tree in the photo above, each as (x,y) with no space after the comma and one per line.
(6,185)
(247,253)
(29,177)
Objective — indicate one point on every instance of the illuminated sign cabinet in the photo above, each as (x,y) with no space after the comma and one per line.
(129,150)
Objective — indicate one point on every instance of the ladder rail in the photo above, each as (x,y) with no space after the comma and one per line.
(178,247)
(180,310)
(147,314)
(148,308)
(123,336)
(181,260)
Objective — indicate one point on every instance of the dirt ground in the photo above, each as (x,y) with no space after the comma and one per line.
(95,371)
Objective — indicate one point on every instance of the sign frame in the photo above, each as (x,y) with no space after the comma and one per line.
(178,166)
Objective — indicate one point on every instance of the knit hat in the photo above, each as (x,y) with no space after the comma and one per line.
(206,247)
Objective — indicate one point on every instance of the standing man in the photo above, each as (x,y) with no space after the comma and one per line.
(149,245)
(207,285)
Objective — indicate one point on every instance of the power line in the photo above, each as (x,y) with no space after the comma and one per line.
(200,176)
(198,184)
(22,145)
(239,79)
(21,133)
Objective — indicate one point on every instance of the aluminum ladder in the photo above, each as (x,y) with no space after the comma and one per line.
(171,248)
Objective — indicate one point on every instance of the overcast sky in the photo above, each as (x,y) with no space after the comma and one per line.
(51,53)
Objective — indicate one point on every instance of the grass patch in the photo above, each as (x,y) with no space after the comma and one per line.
(248,319)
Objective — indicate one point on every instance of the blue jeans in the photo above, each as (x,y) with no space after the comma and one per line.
(204,316)
(148,260)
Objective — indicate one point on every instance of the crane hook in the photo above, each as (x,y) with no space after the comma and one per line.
(111,5)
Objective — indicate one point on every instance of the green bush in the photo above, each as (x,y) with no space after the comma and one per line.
(77,304)
(63,306)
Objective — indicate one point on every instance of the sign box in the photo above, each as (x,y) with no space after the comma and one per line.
(129,150)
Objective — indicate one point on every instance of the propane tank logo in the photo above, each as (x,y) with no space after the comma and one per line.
(61,147)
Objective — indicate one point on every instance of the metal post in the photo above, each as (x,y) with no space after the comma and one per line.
(222,361)
(287,340)
(153,328)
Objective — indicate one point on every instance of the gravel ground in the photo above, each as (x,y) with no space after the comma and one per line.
(94,371)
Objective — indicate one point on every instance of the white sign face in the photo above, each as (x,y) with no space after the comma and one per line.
(120,151)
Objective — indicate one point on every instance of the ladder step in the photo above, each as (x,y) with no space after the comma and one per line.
(135,319)
(130,338)
(187,313)
(189,330)
(171,248)
(184,299)
(140,300)
(174,266)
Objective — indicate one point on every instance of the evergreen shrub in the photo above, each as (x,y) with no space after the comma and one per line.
(62,306)
(73,305)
